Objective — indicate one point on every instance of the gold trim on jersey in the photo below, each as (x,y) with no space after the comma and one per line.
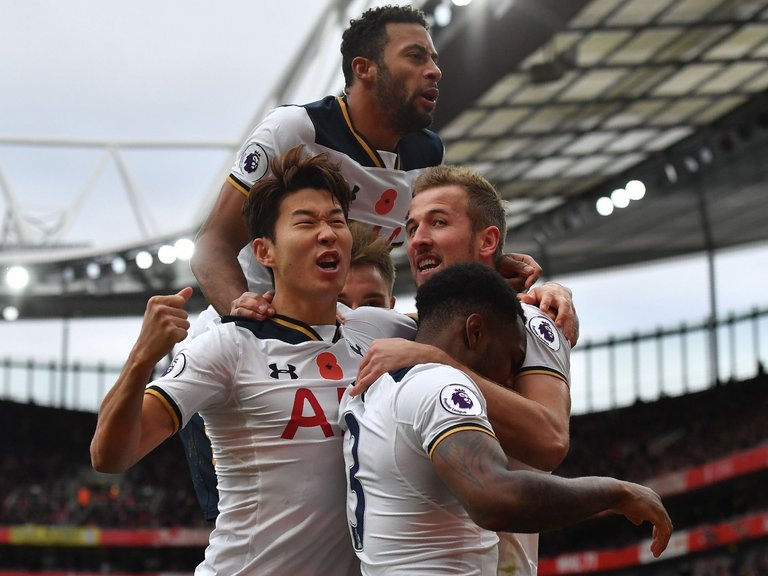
(544,371)
(167,405)
(372,154)
(298,326)
(460,428)
(237,185)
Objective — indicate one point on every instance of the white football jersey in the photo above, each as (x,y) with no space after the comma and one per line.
(380,181)
(402,518)
(269,394)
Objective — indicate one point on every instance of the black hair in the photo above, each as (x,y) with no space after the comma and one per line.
(463,289)
(367,35)
(290,172)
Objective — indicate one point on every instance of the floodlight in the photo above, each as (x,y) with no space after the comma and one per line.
(17,277)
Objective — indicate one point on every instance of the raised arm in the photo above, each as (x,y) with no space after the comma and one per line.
(473,466)
(130,423)
(220,239)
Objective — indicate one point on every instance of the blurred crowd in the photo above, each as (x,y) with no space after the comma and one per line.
(46,477)
(649,439)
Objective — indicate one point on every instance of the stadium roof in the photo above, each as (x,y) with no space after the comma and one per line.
(560,104)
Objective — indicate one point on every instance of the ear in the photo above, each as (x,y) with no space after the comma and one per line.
(474,328)
(392,302)
(262,249)
(363,69)
(489,239)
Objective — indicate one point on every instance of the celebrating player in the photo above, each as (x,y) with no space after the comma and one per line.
(427,480)
(268,391)
(458,216)
(377,132)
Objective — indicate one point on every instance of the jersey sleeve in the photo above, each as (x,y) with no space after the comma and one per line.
(548,352)
(437,401)
(282,129)
(200,376)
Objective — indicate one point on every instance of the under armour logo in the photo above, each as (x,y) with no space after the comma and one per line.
(291,370)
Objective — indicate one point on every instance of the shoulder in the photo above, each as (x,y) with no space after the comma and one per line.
(279,327)
(548,352)
(435,382)
(327,105)
(281,129)
(284,127)
(421,149)
(372,322)
(541,330)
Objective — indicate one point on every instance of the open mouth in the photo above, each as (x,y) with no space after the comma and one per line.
(428,263)
(430,95)
(328,262)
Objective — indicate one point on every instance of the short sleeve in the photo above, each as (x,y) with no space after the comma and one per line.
(436,401)
(201,375)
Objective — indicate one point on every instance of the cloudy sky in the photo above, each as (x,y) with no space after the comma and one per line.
(198,72)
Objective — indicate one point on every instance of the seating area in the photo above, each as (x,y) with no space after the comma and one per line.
(46,480)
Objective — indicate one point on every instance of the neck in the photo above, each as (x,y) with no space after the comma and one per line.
(445,340)
(370,120)
(450,339)
(314,310)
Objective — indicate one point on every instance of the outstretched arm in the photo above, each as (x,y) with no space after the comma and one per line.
(131,424)
(474,467)
(220,239)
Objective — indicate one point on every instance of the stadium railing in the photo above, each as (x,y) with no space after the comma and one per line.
(605,374)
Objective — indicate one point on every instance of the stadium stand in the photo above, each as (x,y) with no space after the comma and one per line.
(705,452)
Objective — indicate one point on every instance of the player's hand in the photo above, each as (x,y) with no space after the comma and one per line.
(253,306)
(556,301)
(165,324)
(641,504)
(386,354)
(520,270)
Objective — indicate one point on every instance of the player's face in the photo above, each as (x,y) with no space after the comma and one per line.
(312,246)
(440,232)
(407,77)
(365,286)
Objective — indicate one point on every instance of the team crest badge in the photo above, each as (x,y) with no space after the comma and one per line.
(176,367)
(460,400)
(255,161)
(543,328)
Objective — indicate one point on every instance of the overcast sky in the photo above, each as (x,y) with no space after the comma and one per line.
(197,71)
